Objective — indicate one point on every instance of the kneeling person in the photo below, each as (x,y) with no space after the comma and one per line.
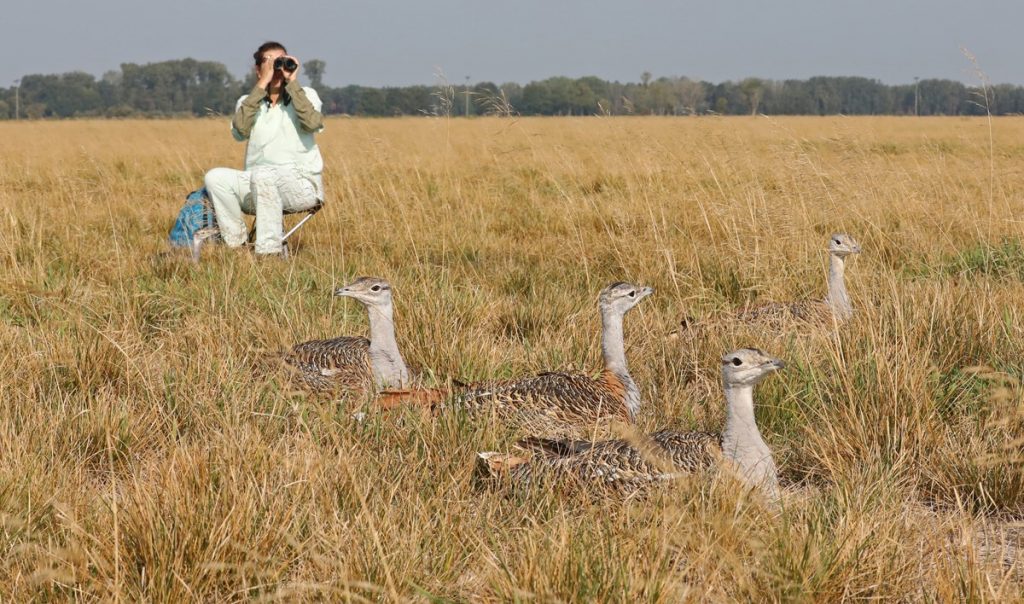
(283,166)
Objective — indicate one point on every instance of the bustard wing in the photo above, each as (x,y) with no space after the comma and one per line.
(560,396)
(780,314)
(337,363)
(689,451)
(775,316)
(626,466)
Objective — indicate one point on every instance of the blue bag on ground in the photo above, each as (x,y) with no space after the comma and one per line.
(196,214)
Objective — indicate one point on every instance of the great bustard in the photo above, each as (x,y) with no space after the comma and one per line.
(355,363)
(835,307)
(630,467)
(567,399)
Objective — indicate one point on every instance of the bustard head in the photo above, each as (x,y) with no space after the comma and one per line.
(371,291)
(620,297)
(748,366)
(842,245)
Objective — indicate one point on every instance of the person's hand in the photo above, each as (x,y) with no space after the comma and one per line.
(265,73)
(291,75)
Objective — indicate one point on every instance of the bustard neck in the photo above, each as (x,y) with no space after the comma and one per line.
(389,368)
(613,346)
(742,443)
(613,349)
(838,299)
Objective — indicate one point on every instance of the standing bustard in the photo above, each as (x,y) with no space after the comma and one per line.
(571,399)
(630,467)
(355,363)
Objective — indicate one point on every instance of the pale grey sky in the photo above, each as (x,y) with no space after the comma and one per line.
(397,42)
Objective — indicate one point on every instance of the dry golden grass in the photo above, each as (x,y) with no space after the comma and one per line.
(140,459)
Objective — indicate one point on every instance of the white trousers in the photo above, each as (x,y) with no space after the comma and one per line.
(266,191)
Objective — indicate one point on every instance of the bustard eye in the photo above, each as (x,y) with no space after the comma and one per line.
(837,242)
(632,293)
(375,288)
(736,361)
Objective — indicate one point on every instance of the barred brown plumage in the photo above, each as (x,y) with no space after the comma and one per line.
(337,363)
(566,399)
(631,466)
(568,394)
(354,364)
(621,465)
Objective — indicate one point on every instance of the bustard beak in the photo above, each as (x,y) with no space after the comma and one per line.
(775,365)
(644,292)
(343,291)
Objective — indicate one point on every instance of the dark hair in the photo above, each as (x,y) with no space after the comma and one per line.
(258,55)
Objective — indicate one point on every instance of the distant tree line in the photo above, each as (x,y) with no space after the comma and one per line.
(191,87)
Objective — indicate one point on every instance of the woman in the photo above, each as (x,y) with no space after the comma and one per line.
(283,166)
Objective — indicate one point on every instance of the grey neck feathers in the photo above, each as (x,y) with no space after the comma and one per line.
(742,443)
(389,370)
(613,349)
(838,300)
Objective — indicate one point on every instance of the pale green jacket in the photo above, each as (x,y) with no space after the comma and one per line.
(283,134)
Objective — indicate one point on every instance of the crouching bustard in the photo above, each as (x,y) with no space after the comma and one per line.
(560,402)
(835,307)
(629,467)
(354,364)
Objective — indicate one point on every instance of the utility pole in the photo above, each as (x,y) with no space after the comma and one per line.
(467,96)
(17,99)
(916,96)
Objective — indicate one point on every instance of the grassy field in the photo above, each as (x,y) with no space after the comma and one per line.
(142,459)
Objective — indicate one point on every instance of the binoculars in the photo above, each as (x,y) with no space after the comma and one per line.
(285,63)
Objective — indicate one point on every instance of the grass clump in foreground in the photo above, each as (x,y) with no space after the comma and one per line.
(142,458)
